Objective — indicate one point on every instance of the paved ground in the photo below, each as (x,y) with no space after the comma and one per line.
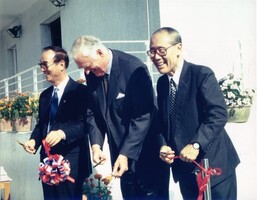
(22,167)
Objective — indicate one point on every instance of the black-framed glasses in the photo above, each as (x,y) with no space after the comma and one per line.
(161,51)
(44,65)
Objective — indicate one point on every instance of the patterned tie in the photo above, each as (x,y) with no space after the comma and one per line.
(172,107)
(54,106)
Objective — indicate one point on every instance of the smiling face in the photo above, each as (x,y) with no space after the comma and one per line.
(54,71)
(165,64)
(96,64)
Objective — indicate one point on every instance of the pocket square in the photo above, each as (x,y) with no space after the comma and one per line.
(120,95)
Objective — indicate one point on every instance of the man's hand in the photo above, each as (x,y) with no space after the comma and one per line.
(29,146)
(98,156)
(54,137)
(188,153)
(167,154)
(120,166)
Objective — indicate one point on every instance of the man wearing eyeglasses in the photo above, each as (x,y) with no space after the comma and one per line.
(191,119)
(61,124)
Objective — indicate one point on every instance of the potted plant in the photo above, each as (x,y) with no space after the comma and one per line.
(23,107)
(5,115)
(97,188)
(238,100)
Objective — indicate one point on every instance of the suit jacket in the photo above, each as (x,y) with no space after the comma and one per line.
(69,118)
(129,106)
(200,117)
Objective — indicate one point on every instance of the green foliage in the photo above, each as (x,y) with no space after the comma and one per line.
(235,95)
(20,105)
(97,188)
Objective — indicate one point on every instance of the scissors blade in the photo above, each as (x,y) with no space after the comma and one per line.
(20,143)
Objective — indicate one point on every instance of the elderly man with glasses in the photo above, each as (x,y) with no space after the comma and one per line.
(191,119)
(62,109)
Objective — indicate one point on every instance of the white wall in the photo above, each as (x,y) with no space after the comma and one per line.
(210,32)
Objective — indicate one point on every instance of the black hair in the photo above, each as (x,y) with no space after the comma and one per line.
(175,35)
(60,54)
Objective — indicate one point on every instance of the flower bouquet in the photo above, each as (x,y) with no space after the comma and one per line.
(238,100)
(95,187)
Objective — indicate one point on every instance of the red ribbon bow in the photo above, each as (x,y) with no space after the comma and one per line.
(202,182)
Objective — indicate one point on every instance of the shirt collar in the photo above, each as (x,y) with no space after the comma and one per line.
(63,84)
(110,63)
(177,74)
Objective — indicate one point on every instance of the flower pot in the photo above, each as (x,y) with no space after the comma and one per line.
(23,124)
(5,125)
(238,114)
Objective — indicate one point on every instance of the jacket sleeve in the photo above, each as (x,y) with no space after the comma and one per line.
(214,116)
(139,103)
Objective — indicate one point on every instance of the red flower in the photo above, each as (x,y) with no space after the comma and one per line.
(98,176)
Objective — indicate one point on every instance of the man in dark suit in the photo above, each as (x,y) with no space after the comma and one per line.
(121,106)
(192,116)
(65,133)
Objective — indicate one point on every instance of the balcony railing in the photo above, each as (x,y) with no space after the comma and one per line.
(32,80)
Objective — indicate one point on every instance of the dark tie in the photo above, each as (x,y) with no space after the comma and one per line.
(172,107)
(106,83)
(54,106)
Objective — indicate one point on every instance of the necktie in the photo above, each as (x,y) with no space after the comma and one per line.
(54,106)
(172,107)
(106,83)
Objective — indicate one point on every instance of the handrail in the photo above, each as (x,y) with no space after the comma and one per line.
(32,79)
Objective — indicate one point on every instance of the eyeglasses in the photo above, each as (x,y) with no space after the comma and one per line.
(161,51)
(44,65)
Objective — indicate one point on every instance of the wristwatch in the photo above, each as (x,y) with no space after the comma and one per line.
(196,145)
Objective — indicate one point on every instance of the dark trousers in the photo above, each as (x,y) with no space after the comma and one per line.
(135,187)
(63,191)
(225,190)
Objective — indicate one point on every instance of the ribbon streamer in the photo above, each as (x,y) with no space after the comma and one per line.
(203,181)
(54,169)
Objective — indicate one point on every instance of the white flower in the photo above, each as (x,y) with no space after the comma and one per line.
(234,94)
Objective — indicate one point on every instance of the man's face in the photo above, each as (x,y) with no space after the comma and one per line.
(49,67)
(95,65)
(166,63)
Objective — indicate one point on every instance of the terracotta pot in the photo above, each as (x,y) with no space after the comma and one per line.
(238,114)
(5,125)
(23,124)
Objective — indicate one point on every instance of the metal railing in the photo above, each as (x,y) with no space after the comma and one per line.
(32,80)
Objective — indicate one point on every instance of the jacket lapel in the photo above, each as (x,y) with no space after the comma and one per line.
(64,98)
(182,87)
(46,102)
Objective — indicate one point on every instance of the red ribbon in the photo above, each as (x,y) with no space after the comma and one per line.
(54,169)
(203,182)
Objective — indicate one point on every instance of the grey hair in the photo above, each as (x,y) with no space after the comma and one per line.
(86,46)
